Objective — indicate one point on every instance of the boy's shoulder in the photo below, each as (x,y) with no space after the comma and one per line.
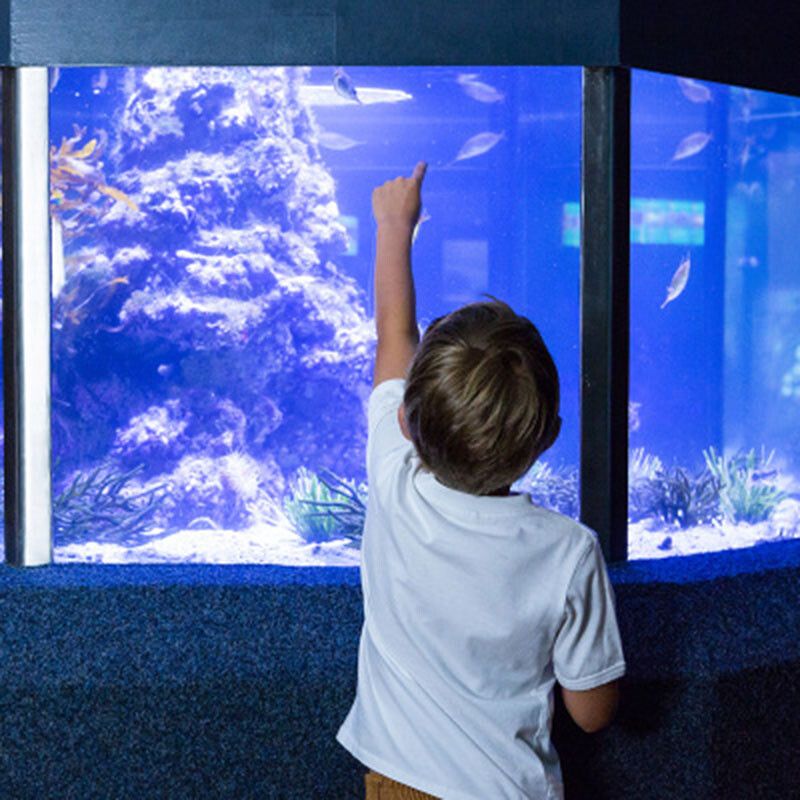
(577,536)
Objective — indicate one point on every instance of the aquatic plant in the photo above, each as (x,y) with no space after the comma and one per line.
(747,491)
(98,507)
(78,188)
(324,506)
(553,488)
(675,496)
(642,466)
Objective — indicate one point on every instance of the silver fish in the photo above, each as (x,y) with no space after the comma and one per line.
(423,217)
(478,90)
(478,145)
(343,85)
(679,280)
(100,82)
(693,91)
(691,145)
(336,141)
(55,75)
(764,474)
(634,419)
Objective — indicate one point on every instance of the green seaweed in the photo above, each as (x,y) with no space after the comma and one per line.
(747,491)
(94,507)
(642,466)
(323,506)
(676,497)
(555,488)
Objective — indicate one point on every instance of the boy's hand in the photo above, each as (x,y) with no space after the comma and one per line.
(397,202)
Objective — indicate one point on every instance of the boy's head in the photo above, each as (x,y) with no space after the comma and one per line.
(482,397)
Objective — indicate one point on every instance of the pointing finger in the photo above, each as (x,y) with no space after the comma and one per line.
(419,171)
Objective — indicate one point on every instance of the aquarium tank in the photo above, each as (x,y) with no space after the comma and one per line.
(212,300)
(714,417)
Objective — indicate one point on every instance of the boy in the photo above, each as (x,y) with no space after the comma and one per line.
(476,601)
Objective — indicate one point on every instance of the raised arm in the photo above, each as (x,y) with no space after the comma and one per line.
(396,207)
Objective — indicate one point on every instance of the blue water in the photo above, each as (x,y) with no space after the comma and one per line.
(213,336)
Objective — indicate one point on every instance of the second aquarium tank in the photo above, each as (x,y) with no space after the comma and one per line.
(213,328)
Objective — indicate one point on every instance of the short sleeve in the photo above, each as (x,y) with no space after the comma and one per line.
(588,648)
(384,437)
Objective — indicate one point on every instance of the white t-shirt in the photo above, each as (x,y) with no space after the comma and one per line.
(474,606)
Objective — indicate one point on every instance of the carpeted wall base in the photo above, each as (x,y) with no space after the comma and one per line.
(230,682)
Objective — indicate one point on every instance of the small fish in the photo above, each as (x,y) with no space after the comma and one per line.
(99,82)
(764,474)
(55,75)
(478,145)
(423,217)
(679,280)
(694,91)
(747,151)
(691,145)
(336,141)
(73,313)
(343,85)
(478,90)
(634,420)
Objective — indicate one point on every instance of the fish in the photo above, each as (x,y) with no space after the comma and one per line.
(336,141)
(679,280)
(343,85)
(747,151)
(478,145)
(634,420)
(691,145)
(693,91)
(73,313)
(99,82)
(55,75)
(423,217)
(764,474)
(478,90)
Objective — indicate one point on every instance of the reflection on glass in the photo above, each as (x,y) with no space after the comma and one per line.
(213,335)
(715,318)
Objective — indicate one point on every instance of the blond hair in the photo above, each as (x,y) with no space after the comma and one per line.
(482,397)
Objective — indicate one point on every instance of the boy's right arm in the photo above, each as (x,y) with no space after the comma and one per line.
(587,654)
(592,709)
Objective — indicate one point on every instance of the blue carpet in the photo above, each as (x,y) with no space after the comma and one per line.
(204,681)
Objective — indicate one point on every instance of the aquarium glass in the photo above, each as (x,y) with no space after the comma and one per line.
(714,417)
(213,330)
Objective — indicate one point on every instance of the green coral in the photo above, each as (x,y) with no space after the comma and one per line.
(642,466)
(675,496)
(325,507)
(555,488)
(97,507)
(747,490)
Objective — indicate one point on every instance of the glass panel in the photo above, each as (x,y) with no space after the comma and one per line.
(715,318)
(213,331)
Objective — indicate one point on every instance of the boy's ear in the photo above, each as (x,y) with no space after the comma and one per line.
(401,418)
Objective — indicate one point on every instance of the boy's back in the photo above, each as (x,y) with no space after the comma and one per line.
(474,606)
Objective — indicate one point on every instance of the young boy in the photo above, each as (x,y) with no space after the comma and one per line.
(476,601)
